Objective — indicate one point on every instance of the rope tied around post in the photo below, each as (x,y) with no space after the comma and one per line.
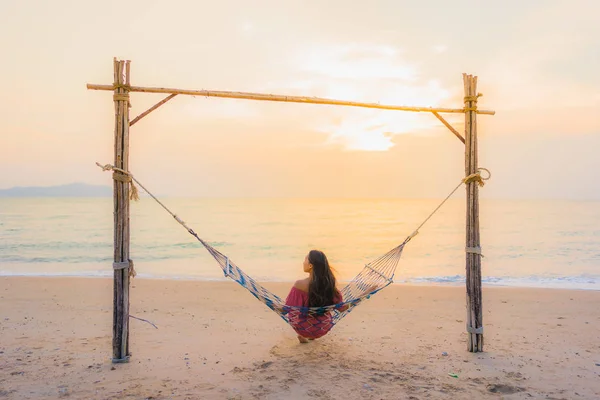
(476,177)
(122,96)
(474,250)
(125,264)
(122,176)
(479,330)
(121,86)
(472,99)
(130,178)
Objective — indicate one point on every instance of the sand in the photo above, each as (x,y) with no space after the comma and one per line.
(215,341)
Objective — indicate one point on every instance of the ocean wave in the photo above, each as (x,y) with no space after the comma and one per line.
(70,274)
(579,282)
(591,282)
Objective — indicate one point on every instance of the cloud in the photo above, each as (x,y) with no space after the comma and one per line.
(543,66)
(356,61)
(247,27)
(440,49)
(367,72)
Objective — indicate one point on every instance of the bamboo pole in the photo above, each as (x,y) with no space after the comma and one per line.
(283,98)
(473,249)
(154,107)
(121,263)
(447,125)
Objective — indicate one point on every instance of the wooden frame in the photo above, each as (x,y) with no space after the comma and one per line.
(123,267)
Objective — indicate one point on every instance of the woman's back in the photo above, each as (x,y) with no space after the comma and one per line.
(318,290)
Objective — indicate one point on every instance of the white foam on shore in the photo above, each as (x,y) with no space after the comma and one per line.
(583,282)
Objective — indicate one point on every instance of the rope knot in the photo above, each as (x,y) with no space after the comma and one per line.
(122,176)
(476,177)
(106,167)
(125,264)
(472,99)
(123,96)
(121,86)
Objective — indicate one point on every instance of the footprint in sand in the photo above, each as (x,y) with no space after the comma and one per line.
(504,389)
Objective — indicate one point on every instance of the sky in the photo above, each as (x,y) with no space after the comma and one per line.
(537,64)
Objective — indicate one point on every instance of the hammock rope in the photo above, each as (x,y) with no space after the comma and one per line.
(312,321)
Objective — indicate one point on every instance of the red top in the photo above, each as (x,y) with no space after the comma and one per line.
(299,298)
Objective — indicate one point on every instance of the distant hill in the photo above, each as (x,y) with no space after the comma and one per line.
(70,190)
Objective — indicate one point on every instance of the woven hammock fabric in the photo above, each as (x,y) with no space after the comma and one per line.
(315,322)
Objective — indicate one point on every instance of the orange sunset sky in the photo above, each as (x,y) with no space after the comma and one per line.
(538,64)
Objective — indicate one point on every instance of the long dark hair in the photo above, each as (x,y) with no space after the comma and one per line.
(321,289)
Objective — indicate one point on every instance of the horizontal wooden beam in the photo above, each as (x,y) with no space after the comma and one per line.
(282,98)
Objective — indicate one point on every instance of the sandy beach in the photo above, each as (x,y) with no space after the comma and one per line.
(215,341)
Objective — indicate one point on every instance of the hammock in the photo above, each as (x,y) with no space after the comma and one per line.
(316,321)
(310,321)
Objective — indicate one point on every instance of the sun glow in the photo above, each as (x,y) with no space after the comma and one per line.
(374,130)
(371,74)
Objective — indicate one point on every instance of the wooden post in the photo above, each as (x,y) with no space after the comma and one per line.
(473,249)
(122,264)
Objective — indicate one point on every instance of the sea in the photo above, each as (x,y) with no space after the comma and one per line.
(525,243)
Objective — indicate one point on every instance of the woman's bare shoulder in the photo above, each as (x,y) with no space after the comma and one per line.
(302,284)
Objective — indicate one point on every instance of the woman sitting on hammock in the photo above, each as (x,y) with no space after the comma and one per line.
(318,290)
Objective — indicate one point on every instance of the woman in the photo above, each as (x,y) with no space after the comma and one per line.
(317,290)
